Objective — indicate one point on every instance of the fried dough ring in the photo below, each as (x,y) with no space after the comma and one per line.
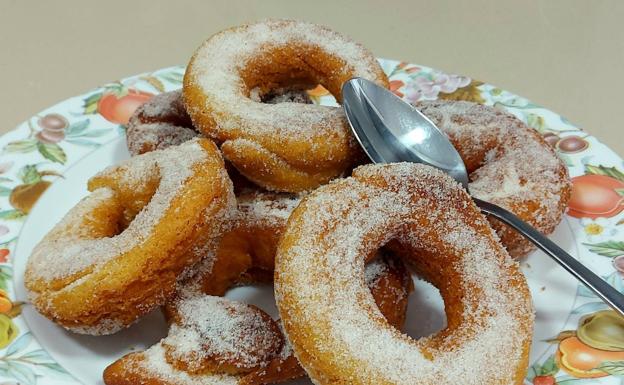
(118,253)
(288,147)
(509,164)
(261,215)
(159,123)
(162,121)
(337,332)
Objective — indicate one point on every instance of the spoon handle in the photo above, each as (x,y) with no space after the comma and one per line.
(600,287)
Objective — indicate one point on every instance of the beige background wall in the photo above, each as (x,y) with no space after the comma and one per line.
(565,54)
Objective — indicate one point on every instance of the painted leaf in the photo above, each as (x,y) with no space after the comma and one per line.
(22,146)
(52,151)
(154,82)
(603,170)
(173,77)
(38,356)
(620,191)
(56,369)
(11,214)
(83,142)
(22,373)
(77,128)
(5,191)
(590,308)
(29,174)
(96,133)
(614,368)
(117,89)
(90,103)
(549,367)
(607,249)
(18,345)
(4,369)
(5,276)
(537,122)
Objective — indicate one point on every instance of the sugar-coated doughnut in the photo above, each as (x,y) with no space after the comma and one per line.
(215,340)
(162,121)
(288,147)
(509,164)
(119,252)
(331,320)
(159,123)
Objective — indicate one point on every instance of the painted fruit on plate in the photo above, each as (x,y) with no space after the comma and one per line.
(596,196)
(119,109)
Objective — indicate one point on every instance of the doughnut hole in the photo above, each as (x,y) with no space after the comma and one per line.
(132,197)
(337,331)
(157,212)
(296,68)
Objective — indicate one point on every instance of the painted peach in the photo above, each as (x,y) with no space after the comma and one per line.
(120,109)
(580,360)
(595,196)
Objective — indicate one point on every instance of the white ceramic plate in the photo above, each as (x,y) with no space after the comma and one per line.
(82,135)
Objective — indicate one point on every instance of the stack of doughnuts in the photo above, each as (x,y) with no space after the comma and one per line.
(239,179)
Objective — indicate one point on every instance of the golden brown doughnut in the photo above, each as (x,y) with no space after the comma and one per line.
(215,340)
(509,164)
(390,284)
(163,122)
(159,123)
(331,320)
(186,355)
(118,253)
(286,146)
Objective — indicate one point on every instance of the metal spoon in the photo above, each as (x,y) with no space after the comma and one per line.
(391,130)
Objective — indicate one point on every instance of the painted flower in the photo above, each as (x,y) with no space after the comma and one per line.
(599,229)
(428,87)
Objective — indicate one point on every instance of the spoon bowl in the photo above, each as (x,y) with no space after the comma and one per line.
(391,130)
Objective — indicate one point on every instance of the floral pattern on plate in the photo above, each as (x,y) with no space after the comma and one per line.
(39,150)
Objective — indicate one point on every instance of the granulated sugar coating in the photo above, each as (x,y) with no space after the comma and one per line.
(117,254)
(220,332)
(70,250)
(151,367)
(509,165)
(231,72)
(336,330)
(256,208)
(159,123)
